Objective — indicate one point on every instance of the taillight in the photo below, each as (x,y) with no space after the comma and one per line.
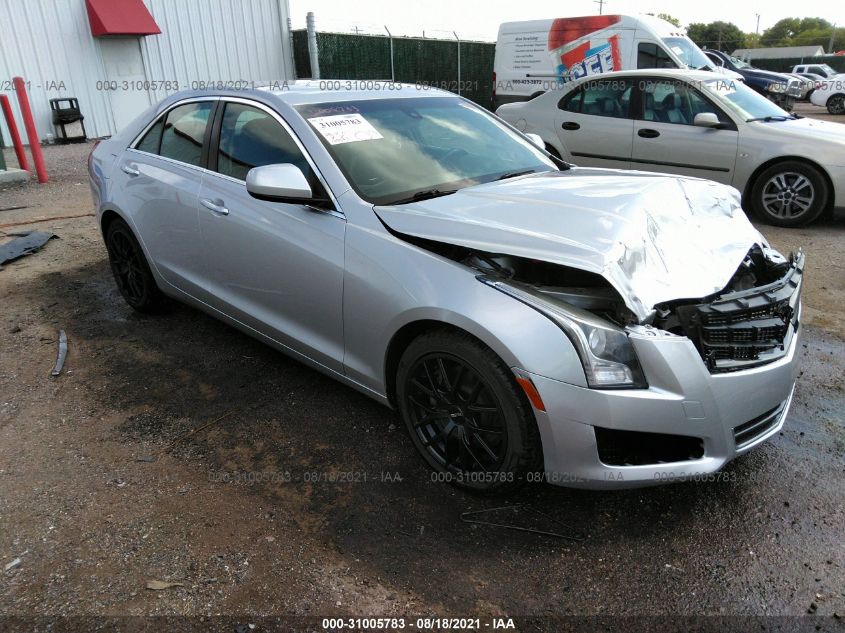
(494,84)
(91,155)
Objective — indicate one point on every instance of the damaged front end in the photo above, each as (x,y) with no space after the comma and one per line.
(751,321)
(604,258)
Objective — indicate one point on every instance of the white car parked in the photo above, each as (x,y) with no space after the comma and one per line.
(816,72)
(830,94)
(788,168)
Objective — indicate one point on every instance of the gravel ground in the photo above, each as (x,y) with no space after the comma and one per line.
(176,449)
(805,108)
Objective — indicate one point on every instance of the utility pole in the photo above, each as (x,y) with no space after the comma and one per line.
(601,5)
(757,30)
(313,54)
(830,46)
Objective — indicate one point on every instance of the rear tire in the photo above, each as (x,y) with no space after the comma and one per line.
(466,415)
(789,194)
(130,269)
(836,104)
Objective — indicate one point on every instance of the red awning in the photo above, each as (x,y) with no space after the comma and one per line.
(120,17)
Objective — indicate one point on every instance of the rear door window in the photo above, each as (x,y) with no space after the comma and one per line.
(610,98)
(184,131)
(571,102)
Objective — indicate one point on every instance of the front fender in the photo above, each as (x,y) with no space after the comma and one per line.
(390,284)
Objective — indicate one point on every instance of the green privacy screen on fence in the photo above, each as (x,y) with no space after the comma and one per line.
(786,64)
(424,62)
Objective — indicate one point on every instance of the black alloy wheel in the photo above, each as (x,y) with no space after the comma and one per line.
(455,414)
(466,415)
(130,269)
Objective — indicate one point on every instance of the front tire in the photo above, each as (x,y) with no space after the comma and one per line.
(789,194)
(836,104)
(130,269)
(466,415)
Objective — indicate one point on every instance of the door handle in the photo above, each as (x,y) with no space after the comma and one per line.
(570,125)
(219,209)
(648,133)
(126,169)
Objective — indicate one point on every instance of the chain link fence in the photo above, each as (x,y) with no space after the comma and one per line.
(463,67)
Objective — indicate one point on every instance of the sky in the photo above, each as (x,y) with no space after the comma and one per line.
(477,20)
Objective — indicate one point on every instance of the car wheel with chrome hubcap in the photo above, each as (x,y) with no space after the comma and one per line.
(789,194)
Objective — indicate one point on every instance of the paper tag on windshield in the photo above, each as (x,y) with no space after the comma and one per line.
(345,128)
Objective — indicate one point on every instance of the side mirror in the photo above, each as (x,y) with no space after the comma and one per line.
(283,182)
(536,139)
(706,119)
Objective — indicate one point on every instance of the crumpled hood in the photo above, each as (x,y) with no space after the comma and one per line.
(654,238)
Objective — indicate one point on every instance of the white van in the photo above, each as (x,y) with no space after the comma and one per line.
(538,55)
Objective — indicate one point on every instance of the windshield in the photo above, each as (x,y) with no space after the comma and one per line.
(740,64)
(393,149)
(738,97)
(827,69)
(688,52)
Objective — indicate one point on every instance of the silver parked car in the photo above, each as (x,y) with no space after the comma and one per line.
(528,319)
(693,123)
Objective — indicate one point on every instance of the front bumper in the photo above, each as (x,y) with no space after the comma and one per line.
(782,100)
(837,177)
(730,412)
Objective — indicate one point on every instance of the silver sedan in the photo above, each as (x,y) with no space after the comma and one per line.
(529,320)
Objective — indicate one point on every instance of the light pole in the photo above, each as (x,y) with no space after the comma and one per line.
(757,31)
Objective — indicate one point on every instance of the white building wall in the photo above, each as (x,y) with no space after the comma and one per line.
(217,40)
(49,43)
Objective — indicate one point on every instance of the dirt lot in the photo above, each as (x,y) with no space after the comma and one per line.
(176,449)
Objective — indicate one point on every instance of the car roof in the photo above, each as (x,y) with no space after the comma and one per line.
(322,91)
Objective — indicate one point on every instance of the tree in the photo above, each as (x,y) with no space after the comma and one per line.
(781,33)
(752,40)
(797,32)
(725,36)
(669,18)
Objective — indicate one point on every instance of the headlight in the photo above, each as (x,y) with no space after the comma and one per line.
(606,352)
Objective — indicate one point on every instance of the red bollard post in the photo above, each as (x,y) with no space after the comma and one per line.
(31,132)
(6,105)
